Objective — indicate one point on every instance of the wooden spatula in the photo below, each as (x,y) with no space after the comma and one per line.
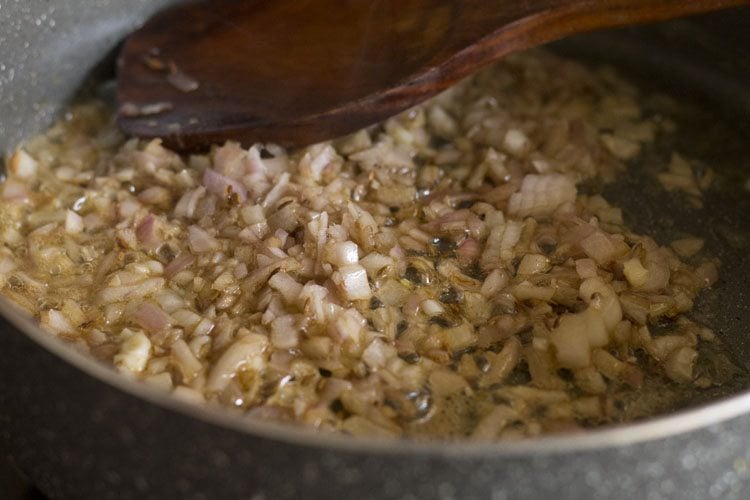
(300,71)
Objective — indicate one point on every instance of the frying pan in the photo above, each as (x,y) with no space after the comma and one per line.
(79,430)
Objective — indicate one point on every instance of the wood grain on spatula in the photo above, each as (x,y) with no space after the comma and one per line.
(296,72)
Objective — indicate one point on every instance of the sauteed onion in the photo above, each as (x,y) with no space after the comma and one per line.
(442,274)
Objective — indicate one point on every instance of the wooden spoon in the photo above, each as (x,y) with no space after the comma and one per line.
(296,72)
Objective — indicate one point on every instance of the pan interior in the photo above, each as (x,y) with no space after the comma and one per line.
(689,61)
(709,133)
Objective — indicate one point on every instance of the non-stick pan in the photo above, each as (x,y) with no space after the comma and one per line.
(81,431)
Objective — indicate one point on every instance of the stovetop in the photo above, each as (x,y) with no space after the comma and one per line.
(13,486)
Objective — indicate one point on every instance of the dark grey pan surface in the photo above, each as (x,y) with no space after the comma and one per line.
(81,432)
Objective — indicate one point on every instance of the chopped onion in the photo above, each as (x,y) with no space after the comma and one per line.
(495,281)
(602,248)
(247,351)
(378,353)
(397,253)
(657,265)
(256,164)
(186,318)
(151,317)
(73,222)
(128,207)
(145,232)
(533,264)
(586,268)
(282,236)
(571,342)
(374,263)
(602,299)
(525,290)
(22,165)
(280,360)
(312,299)
(344,253)
(187,205)
(169,301)
(223,186)
(178,264)
(468,251)
(679,364)
(275,252)
(502,239)
(155,195)
(502,363)
(635,306)
(393,293)
(134,353)
(456,221)
(15,191)
(687,247)
(56,322)
(622,148)
(352,281)
(277,191)
(240,271)
(139,290)
(432,307)
(412,305)
(333,388)
(316,159)
(203,328)
(7,264)
(348,325)
(541,194)
(183,357)
(490,425)
(707,273)
(458,338)
(287,286)
(231,160)
(200,241)
(634,272)
(92,221)
(284,332)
